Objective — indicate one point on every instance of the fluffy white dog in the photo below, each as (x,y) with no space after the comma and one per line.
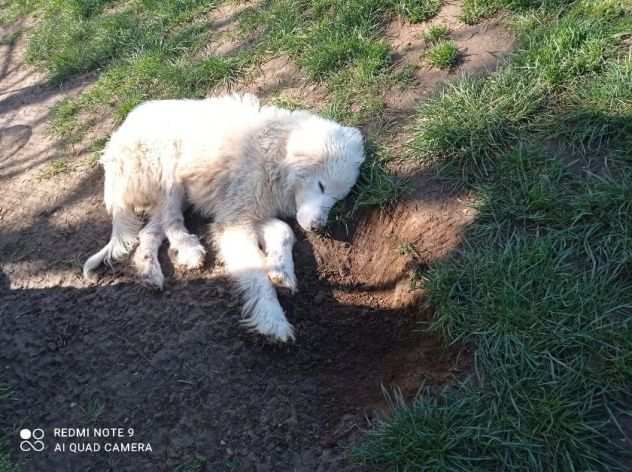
(240,163)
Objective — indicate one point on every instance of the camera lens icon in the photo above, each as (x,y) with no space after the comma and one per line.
(32,440)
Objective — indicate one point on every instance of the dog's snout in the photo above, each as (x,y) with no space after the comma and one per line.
(318,225)
(314,224)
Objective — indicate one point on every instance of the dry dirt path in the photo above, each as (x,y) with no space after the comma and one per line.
(176,366)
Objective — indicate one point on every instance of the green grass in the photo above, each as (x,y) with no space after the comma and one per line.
(443,55)
(146,49)
(337,43)
(542,288)
(55,168)
(80,36)
(376,187)
(13,10)
(472,120)
(597,111)
(475,119)
(142,49)
(436,33)
(476,10)
(418,10)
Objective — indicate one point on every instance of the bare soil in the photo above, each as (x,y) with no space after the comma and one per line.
(176,365)
(481,48)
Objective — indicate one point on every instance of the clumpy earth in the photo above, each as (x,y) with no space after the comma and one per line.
(176,366)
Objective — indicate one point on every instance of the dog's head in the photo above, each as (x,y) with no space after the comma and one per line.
(324,158)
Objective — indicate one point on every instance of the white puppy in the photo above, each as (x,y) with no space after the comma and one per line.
(240,163)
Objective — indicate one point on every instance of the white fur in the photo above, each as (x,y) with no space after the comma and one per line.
(239,162)
(278,240)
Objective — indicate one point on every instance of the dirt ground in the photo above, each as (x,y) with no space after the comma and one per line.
(176,365)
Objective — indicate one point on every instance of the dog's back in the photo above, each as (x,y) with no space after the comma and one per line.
(143,155)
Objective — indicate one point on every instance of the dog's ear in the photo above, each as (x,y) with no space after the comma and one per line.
(306,146)
(354,142)
(353,134)
(317,137)
(305,143)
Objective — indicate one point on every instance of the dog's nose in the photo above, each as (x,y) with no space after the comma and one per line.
(317,226)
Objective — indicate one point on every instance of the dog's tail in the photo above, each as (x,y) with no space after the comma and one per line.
(125,227)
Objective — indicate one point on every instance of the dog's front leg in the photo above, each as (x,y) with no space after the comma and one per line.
(190,253)
(146,257)
(278,240)
(238,247)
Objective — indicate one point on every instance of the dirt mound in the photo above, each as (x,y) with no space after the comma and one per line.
(381,260)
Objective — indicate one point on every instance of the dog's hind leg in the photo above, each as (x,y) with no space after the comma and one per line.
(238,247)
(146,257)
(277,240)
(125,226)
(190,253)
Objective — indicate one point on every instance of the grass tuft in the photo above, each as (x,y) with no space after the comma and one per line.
(12,10)
(376,187)
(472,120)
(55,168)
(145,49)
(450,431)
(330,53)
(443,55)
(436,33)
(476,10)
(417,11)
(597,112)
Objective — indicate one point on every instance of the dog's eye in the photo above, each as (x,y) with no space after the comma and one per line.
(321,187)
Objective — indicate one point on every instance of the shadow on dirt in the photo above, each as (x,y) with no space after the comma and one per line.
(26,100)
(14,138)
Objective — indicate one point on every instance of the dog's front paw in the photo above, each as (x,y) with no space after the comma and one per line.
(149,271)
(268,319)
(281,332)
(283,279)
(191,257)
(153,280)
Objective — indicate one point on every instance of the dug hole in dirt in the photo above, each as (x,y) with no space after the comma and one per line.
(176,366)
